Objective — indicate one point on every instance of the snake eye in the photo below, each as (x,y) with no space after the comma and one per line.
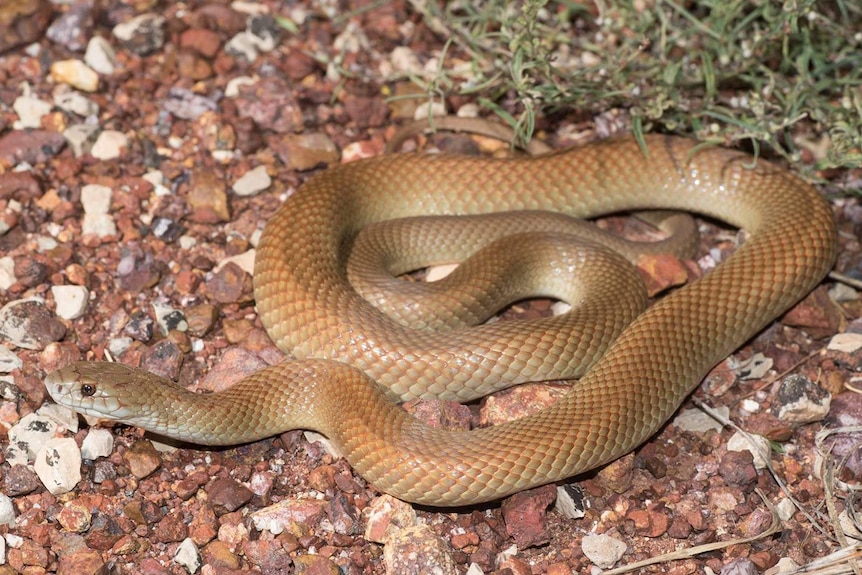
(88,389)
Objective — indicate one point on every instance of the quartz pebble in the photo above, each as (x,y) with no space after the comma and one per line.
(9,361)
(252,182)
(31,434)
(100,56)
(96,200)
(98,443)
(76,74)
(7,511)
(109,145)
(603,550)
(188,556)
(7,273)
(58,465)
(30,111)
(71,301)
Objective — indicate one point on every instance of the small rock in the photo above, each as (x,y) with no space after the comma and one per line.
(62,416)
(816,314)
(100,56)
(31,434)
(385,516)
(188,556)
(661,272)
(417,549)
(271,104)
(519,401)
(75,516)
(278,518)
(75,103)
(9,362)
(737,468)
(185,104)
(525,514)
(169,319)
(7,273)
(740,442)
(22,22)
(81,137)
(649,522)
(229,285)
(799,400)
(30,111)
(20,480)
(226,495)
(72,28)
(207,198)
(697,421)
(142,35)
(252,182)
(7,511)
(739,567)
(142,458)
(109,145)
(76,74)
(58,465)
(96,201)
(571,501)
(71,301)
(305,151)
(98,443)
(30,146)
(137,270)
(603,550)
(29,325)
(315,565)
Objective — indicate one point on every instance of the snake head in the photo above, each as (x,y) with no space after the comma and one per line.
(103,390)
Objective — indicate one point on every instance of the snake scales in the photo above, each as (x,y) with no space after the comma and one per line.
(310,310)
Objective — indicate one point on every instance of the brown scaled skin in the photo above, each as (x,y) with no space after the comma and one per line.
(310,310)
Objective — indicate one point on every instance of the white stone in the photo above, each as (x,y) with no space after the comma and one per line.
(759,450)
(76,103)
(30,111)
(252,182)
(2,550)
(100,56)
(188,556)
(76,74)
(117,345)
(143,24)
(603,550)
(404,59)
(109,145)
(98,443)
(31,433)
(71,300)
(58,465)
(245,261)
(80,138)
(7,273)
(99,225)
(96,199)
(785,509)
(165,315)
(9,362)
(845,342)
(7,512)
(697,421)
(231,90)
(61,415)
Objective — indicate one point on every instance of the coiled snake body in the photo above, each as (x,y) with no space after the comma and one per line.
(310,310)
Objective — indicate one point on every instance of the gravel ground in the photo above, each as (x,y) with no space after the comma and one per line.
(143,146)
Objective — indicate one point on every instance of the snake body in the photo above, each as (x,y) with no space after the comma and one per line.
(309,309)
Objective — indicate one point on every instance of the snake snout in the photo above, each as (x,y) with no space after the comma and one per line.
(59,385)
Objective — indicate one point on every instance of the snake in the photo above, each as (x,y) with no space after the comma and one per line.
(354,363)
